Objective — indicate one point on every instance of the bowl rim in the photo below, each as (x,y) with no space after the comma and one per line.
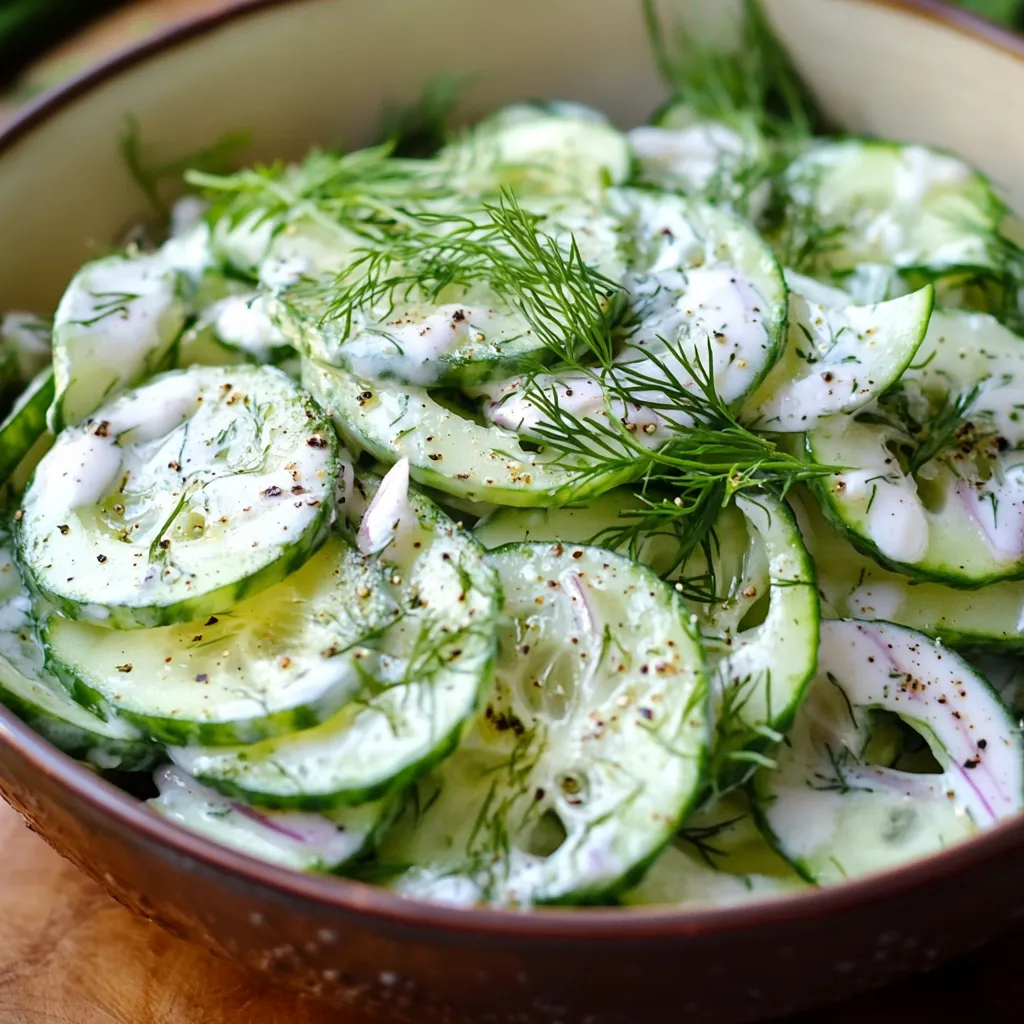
(359,899)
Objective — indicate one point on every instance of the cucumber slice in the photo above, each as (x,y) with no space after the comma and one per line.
(934,487)
(114,326)
(858,201)
(723,163)
(854,586)
(838,360)
(448,451)
(704,281)
(25,423)
(759,674)
(235,329)
(423,677)
(466,333)
(270,665)
(832,814)
(28,337)
(718,859)
(704,289)
(589,753)
(290,839)
(558,153)
(27,689)
(181,497)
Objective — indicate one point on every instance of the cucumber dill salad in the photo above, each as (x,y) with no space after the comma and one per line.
(539,511)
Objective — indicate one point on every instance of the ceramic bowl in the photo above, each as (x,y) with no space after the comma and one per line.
(297,72)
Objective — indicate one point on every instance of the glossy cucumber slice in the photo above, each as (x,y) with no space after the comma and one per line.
(25,423)
(835,815)
(719,858)
(115,325)
(759,673)
(422,677)
(934,487)
(446,450)
(290,839)
(27,689)
(838,360)
(429,321)
(272,664)
(589,753)
(558,151)
(881,202)
(854,586)
(180,498)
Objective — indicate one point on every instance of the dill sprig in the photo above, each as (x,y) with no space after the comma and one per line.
(567,303)
(150,176)
(367,186)
(754,83)
(420,128)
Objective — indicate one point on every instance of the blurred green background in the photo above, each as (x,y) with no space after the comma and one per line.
(29,28)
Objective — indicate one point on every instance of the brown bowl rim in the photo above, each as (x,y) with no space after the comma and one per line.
(610,924)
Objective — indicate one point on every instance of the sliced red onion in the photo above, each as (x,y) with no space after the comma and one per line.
(389,514)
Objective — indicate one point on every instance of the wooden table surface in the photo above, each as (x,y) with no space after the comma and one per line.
(70,955)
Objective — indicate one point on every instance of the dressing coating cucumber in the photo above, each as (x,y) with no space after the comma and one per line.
(838,360)
(854,586)
(857,201)
(723,162)
(275,663)
(702,282)
(426,332)
(234,329)
(115,325)
(291,839)
(422,677)
(759,674)
(589,753)
(560,151)
(934,487)
(832,813)
(181,497)
(27,689)
(446,450)
(718,859)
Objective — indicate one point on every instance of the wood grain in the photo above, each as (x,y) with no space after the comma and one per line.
(70,955)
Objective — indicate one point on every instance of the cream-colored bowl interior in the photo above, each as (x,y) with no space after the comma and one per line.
(319,71)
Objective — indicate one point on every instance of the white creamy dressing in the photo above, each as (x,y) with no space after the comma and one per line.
(245,245)
(242,322)
(919,171)
(691,157)
(229,470)
(190,254)
(289,838)
(116,320)
(878,600)
(896,521)
(416,339)
(823,798)
(837,360)
(509,405)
